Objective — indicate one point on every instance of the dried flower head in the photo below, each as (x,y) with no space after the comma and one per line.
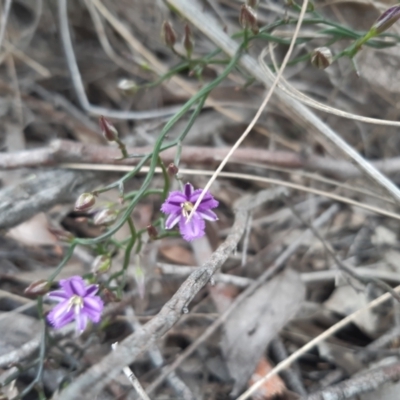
(179,205)
(321,57)
(168,34)
(37,288)
(188,41)
(152,232)
(108,129)
(76,301)
(172,169)
(248,18)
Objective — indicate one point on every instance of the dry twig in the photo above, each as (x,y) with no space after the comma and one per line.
(365,382)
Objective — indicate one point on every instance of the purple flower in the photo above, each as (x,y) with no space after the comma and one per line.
(180,204)
(76,301)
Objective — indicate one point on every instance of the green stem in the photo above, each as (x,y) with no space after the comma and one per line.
(198,97)
(166,179)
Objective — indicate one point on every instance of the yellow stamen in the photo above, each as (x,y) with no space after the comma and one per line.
(187,207)
(76,301)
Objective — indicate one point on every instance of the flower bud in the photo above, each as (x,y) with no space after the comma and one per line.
(188,41)
(172,169)
(108,129)
(168,34)
(105,217)
(321,57)
(386,20)
(85,202)
(101,264)
(128,86)
(37,288)
(152,231)
(248,18)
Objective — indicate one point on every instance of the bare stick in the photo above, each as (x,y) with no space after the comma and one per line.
(63,151)
(248,177)
(132,378)
(370,272)
(180,388)
(3,22)
(366,382)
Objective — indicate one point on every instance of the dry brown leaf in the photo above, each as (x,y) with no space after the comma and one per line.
(178,254)
(33,232)
(271,388)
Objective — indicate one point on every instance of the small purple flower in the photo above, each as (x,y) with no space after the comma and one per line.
(76,301)
(180,204)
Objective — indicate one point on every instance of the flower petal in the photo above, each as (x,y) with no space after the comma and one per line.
(172,220)
(60,315)
(92,307)
(188,191)
(193,229)
(171,208)
(65,319)
(207,214)
(206,203)
(91,290)
(73,285)
(81,320)
(58,295)
(78,286)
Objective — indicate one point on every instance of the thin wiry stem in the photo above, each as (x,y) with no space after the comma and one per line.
(308,119)
(78,84)
(4,19)
(258,114)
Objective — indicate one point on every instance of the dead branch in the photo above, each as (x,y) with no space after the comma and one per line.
(268,274)
(181,390)
(366,382)
(93,380)
(64,151)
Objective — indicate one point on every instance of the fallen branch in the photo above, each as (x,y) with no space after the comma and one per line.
(65,151)
(273,269)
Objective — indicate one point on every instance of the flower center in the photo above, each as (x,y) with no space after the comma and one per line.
(76,302)
(187,207)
